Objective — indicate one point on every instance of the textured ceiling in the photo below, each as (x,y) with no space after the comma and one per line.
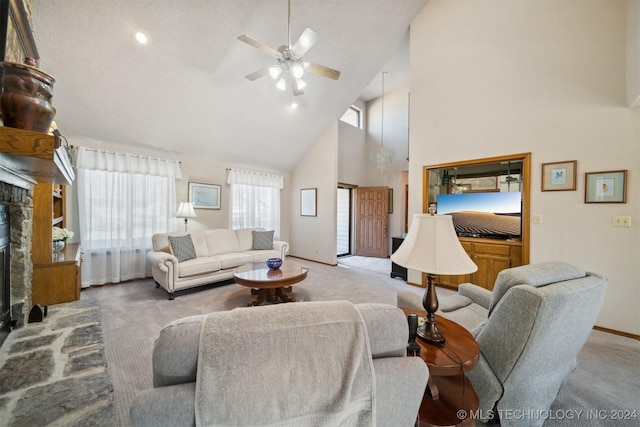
(185,92)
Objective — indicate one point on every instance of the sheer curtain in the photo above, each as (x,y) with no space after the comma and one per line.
(123,200)
(255,200)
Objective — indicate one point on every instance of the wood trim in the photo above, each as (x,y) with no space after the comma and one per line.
(35,155)
(526,190)
(615,332)
(312,260)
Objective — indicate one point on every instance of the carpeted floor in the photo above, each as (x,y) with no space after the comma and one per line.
(607,378)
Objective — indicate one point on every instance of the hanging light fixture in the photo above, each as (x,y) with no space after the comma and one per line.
(381,157)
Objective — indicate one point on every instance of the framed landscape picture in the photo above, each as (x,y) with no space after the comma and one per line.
(559,176)
(606,187)
(204,196)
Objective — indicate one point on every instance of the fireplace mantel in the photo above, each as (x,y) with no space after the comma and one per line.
(29,157)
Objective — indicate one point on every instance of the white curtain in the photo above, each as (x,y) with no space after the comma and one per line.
(254,200)
(123,200)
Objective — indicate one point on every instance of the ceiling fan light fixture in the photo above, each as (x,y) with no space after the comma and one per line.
(291,67)
(297,70)
(275,72)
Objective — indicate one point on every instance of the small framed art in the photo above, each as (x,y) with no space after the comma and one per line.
(606,187)
(16,38)
(204,196)
(559,176)
(308,199)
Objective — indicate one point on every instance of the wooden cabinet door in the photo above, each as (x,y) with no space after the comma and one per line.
(488,268)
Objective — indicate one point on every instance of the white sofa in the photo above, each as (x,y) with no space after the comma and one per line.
(217,253)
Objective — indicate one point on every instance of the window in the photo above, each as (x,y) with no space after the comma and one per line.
(123,200)
(353,116)
(254,200)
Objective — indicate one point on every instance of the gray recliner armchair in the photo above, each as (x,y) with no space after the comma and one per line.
(530,330)
(312,363)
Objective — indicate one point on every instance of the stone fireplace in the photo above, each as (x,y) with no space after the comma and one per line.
(27,159)
(19,205)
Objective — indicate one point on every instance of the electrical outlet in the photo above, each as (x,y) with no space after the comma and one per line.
(621,221)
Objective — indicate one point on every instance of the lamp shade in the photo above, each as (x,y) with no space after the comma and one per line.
(432,246)
(185,210)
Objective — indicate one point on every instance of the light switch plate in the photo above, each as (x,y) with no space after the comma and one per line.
(621,221)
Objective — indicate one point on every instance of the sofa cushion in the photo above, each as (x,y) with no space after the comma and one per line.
(262,256)
(245,237)
(262,240)
(200,265)
(182,247)
(200,243)
(234,259)
(221,241)
(160,241)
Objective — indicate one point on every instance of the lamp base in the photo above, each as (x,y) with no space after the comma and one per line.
(429,331)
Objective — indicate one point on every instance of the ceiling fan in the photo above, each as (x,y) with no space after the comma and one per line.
(290,67)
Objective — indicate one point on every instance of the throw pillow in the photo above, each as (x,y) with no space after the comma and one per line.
(182,247)
(263,239)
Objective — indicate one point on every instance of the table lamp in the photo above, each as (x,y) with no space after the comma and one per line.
(432,247)
(185,210)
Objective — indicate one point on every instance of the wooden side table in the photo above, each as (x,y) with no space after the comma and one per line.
(450,398)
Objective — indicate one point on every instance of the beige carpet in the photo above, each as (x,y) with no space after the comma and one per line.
(134,312)
(607,378)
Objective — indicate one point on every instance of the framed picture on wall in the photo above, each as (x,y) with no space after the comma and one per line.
(16,38)
(204,196)
(559,176)
(308,200)
(606,187)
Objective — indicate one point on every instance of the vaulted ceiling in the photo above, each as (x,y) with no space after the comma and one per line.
(184,92)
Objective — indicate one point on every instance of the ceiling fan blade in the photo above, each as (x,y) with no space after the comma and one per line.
(294,85)
(307,39)
(258,45)
(257,74)
(323,71)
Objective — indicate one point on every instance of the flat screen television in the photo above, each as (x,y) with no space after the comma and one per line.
(494,215)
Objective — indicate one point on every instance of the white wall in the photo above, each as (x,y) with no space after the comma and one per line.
(193,170)
(314,238)
(493,78)
(352,150)
(396,138)
(633,53)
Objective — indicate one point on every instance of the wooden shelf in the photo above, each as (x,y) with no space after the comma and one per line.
(35,155)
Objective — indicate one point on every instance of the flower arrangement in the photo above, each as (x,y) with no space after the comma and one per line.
(61,234)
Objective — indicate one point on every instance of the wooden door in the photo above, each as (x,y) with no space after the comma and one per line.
(371,221)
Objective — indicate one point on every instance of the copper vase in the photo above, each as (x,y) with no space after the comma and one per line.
(25,102)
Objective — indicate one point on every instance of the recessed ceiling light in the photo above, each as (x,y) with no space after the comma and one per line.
(142,37)
(294,105)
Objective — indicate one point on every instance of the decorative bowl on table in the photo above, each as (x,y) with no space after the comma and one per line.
(274,263)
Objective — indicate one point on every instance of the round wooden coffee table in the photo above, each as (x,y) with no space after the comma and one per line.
(270,285)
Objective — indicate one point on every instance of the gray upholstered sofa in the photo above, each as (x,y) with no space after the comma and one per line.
(214,256)
(285,365)
(530,330)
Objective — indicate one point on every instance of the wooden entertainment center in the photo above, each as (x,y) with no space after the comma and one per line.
(491,256)
(489,175)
